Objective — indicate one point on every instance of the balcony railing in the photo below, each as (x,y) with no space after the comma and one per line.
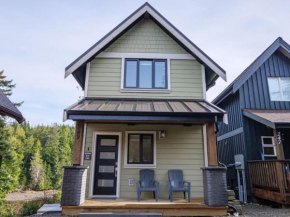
(270,180)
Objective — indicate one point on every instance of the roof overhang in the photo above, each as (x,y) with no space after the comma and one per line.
(271,118)
(7,108)
(278,44)
(144,111)
(211,66)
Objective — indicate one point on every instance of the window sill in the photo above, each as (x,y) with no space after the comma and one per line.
(145,91)
(140,166)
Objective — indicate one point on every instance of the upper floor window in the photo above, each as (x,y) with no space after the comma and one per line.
(279,89)
(146,74)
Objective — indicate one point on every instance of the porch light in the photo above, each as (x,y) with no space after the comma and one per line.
(162,134)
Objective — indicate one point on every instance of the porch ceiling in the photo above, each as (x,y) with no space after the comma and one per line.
(271,118)
(109,109)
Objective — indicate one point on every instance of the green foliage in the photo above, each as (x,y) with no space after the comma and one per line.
(31,208)
(33,157)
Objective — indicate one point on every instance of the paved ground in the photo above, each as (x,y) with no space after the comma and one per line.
(249,210)
(29,195)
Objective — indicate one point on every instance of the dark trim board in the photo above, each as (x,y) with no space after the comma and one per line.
(143,118)
(230,134)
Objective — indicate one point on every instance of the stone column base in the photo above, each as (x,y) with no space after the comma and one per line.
(215,186)
(74,185)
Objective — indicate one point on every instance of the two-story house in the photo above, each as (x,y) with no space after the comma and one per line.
(258,107)
(144,108)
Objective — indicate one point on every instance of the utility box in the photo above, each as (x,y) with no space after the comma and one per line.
(239,162)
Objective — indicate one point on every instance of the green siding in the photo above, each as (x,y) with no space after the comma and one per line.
(181,149)
(145,37)
(105,80)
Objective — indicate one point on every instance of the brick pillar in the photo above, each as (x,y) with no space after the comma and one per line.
(215,186)
(74,185)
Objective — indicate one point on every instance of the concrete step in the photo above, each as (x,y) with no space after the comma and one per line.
(114,214)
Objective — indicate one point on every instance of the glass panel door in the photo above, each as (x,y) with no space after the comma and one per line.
(106,165)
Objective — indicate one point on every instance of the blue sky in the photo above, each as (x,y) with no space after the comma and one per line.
(38,39)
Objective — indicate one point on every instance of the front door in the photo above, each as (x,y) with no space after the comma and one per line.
(106,165)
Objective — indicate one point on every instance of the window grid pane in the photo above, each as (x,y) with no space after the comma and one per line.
(131,73)
(274,89)
(285,85)
(160,75)
(145,76)
(134,149)
(147,149)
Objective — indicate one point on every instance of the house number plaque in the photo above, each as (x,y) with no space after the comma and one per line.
(88,155)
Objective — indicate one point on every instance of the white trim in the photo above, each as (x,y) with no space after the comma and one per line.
(145,56)
(164,23)
(137,90)
(92,172)
(126,165)
(84,143)
(268,145)
(205,145)
(87,79)
(122,73)
(168,74)
(203,81)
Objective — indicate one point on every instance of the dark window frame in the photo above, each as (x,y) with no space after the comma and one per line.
(141,148)
(153,74)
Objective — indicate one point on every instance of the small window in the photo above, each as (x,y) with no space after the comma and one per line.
(140,149)
(268,145)
(145,74)
(279,89)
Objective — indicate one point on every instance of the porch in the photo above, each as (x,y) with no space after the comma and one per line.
(270,180)
(179,207)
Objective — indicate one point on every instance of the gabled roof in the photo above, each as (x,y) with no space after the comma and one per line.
(9,109)
(77,67)
(279,43)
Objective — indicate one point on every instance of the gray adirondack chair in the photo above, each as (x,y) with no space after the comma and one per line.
(147,183)
(176,184)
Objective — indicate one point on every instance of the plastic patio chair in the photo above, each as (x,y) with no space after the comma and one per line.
(176,184)
(147,183)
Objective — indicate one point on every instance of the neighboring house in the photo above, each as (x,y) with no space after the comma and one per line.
(144,107)
(258,103)
(7,108)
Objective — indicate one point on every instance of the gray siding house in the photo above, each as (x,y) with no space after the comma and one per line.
(144,107)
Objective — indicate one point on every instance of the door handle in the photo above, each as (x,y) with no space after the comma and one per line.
(116,169)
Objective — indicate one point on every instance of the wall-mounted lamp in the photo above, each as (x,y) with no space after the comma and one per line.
(162,134)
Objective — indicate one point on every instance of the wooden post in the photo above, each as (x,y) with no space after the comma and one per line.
(211,144)
(280,180)
(78,143)
(279,146)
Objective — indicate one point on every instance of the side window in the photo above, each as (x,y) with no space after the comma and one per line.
(279,88)
(268,145)
(145,74)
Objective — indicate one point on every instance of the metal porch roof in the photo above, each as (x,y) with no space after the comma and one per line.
(143,109)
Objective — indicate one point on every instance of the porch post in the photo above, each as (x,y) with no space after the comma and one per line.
(278,145)
(211,144)
(78,143)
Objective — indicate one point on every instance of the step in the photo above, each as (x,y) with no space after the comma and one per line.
(120,214)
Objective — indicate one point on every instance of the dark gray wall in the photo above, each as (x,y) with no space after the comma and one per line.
(232,106)
(254,93)
(252,133)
